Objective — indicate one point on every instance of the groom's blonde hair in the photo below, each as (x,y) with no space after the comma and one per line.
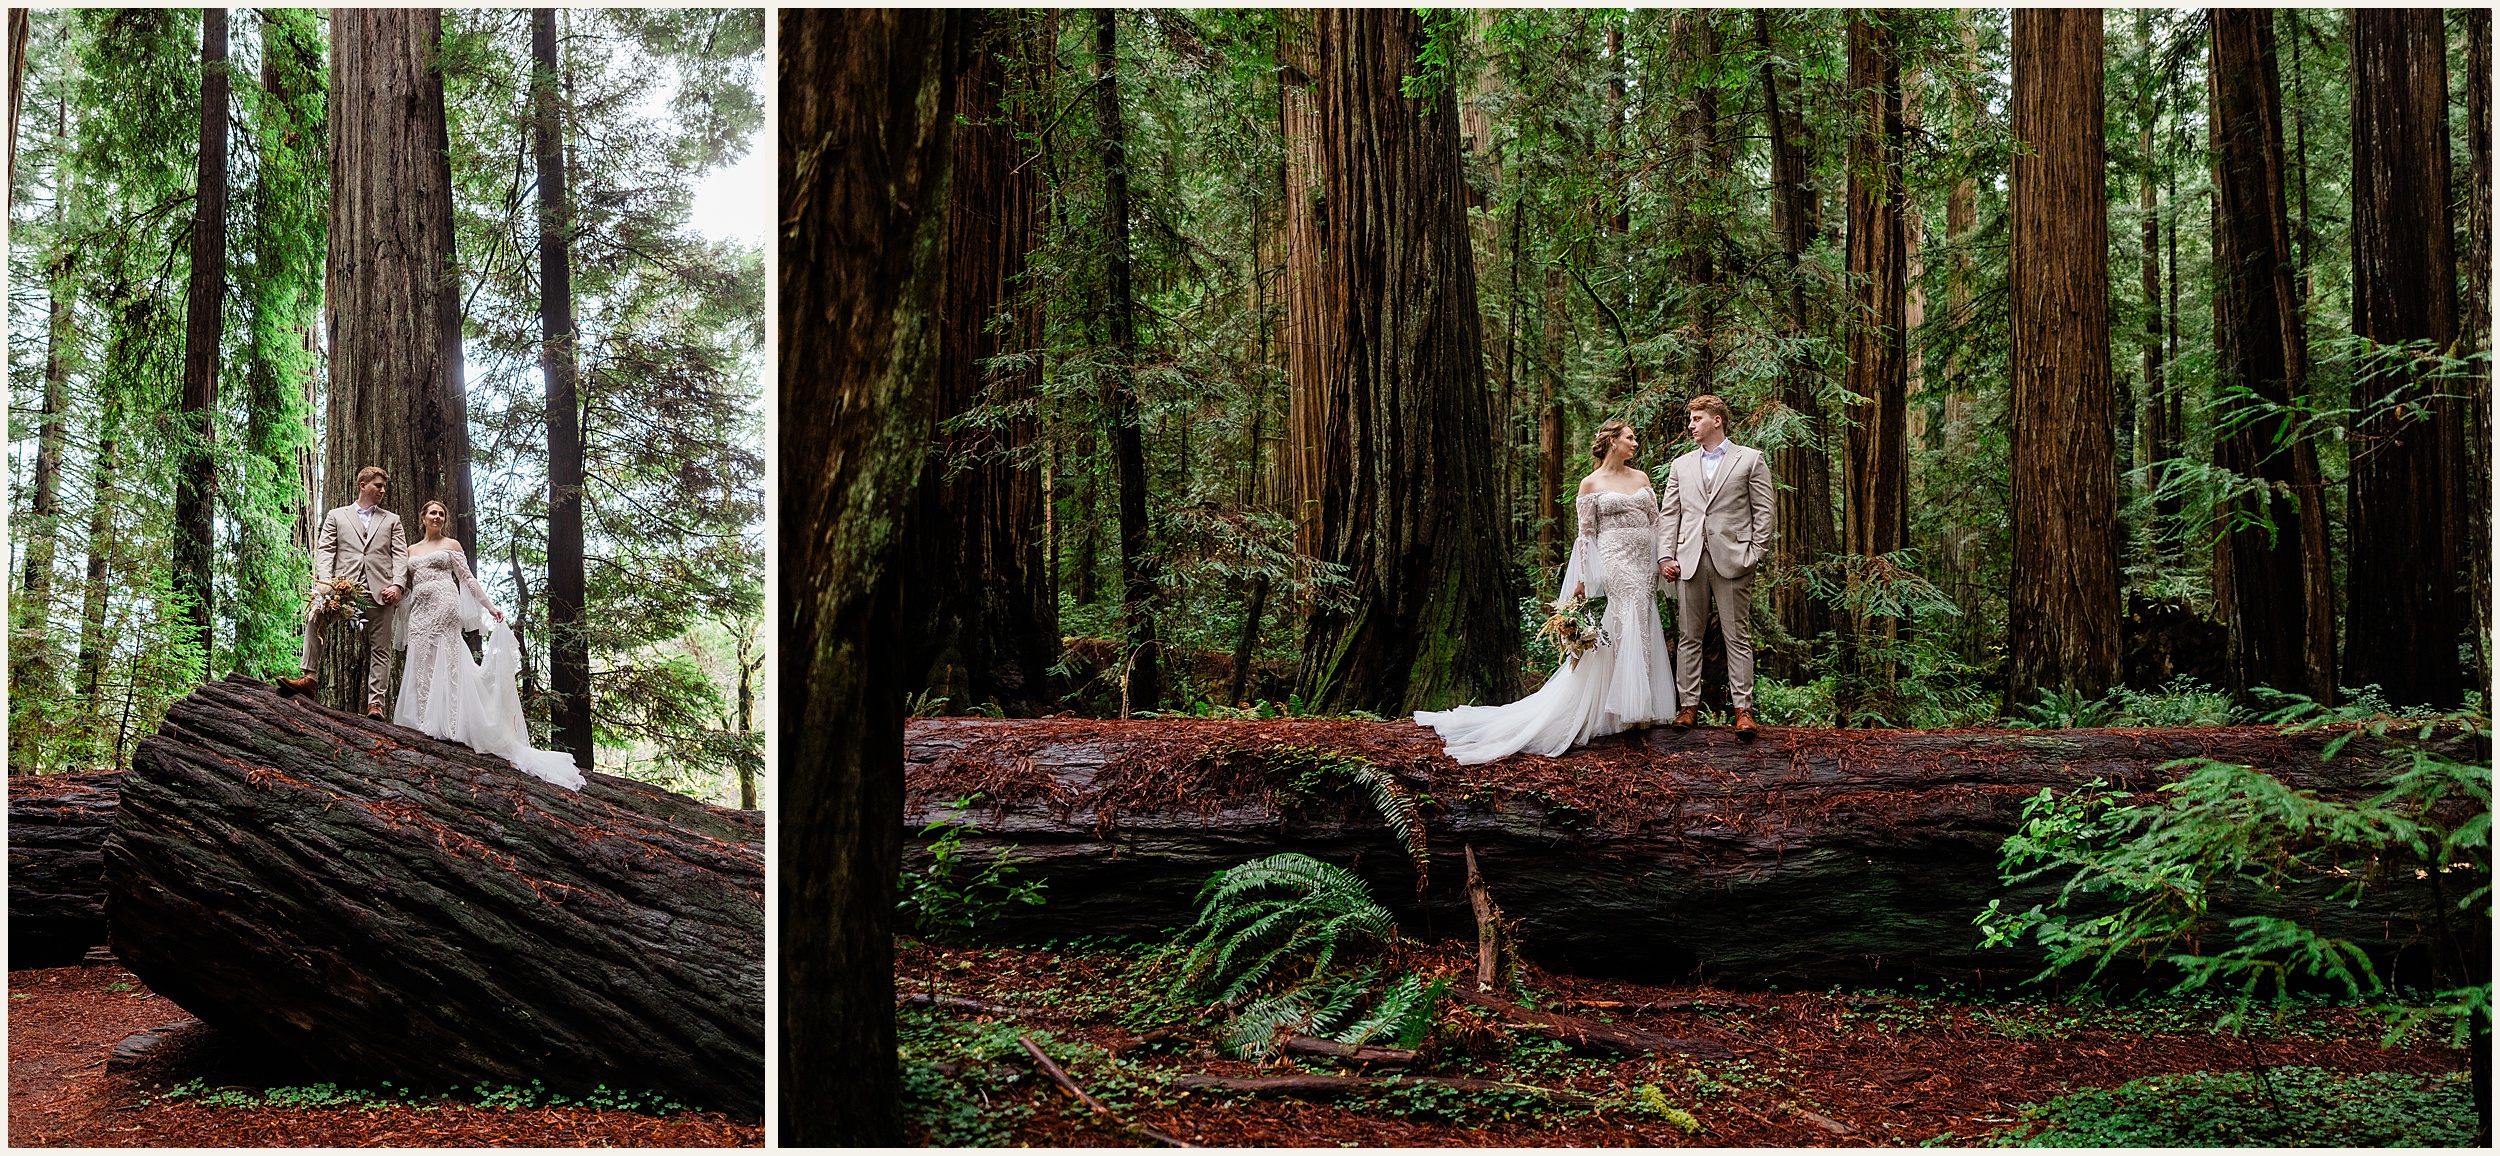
(369,473)
(1711,403)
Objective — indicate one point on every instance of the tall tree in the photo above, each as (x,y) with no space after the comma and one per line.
(1696,37)
(19,27)
(30,650)
(1412,512)
(1802,467)
(1306,242)
(2062,619)
(396,380)
(568,639)
(2474,322)
(2148,109)
(2408,584)
(992,634)
(195,484)
(1142,662)
(867,107)
(1876,513)
(2282,623)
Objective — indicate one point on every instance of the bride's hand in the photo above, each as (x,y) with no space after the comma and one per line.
(497,611)
(1579,589)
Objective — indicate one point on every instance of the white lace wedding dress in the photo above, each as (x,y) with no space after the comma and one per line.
(444,693)
(1626,680)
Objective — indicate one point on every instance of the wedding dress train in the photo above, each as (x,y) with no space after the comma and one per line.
(447,695)
(1626,680)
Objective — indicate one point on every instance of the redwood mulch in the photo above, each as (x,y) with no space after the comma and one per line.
(64,1021)
(1893,1070)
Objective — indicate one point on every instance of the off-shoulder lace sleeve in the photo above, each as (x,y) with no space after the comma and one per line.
(1584,568)
(468,582)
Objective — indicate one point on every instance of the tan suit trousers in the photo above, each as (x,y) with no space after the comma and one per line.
(1693,596)
(377,651)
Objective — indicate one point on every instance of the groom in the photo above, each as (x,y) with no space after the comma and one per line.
(363,542)
(1715,513)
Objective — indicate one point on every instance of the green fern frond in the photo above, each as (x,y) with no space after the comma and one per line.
(1404,817)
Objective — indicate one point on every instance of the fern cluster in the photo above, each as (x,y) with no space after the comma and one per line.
(1312,773)
(1269,941)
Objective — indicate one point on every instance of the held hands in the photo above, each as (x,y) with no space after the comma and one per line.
(390,595)
(1668,568)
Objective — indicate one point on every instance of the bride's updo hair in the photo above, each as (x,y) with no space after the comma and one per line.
(1606,435)
(430,504)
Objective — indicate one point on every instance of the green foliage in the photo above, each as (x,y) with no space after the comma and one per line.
(2181,702)
(2277,1107)
(1267,944)
(1311,774)
(948,900)
(2141,879)
(503,1097)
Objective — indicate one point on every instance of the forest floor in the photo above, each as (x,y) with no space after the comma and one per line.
(1808,1069)
(191,1091)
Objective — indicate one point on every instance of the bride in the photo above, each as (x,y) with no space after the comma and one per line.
(441,691)
(1622,683)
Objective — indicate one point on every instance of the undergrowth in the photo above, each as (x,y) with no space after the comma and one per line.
(2279,1107)
(505,1097)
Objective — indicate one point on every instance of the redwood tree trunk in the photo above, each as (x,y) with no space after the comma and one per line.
(991,633)
(31,652)
(2062,621)
(1306,292)
(204,328)
(19,27)
(568,644)
(1876,512)
(1803,468)
(2157,435)
(396,392)
(2475,325)
(1411,510)
(867,105)
(2408,584)
(1139,574)
(2282,627)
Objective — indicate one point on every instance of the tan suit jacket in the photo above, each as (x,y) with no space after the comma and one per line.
(375,554)
(1729,512)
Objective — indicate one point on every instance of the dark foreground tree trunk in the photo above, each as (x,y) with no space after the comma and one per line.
(1141,677)
(2282,626)
(1811,856)
(866,112)
(2408,586)
(57,825)
(2062,599)
(1411,508)
(383,905)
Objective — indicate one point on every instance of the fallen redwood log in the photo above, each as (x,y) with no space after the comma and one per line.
(382,905)
(1813,856)
(57,827)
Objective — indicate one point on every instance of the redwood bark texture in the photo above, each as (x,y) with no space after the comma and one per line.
(2408,584)
(57,827)
(203,333)
(397,398)
(1306,293)
(1876,512)
(2282,627)
(568,643)
(1803,468)
(988,626)
(1812,856)
(383,905)
(867,108)
(2062,599)
(1411,508)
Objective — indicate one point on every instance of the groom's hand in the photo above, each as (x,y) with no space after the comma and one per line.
(1668,568)
(390,595)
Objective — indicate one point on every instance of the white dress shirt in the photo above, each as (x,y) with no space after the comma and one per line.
(1710,462)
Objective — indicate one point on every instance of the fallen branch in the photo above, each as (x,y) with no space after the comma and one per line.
(1703,1003)
(961,1003)
(1068,1084)
(1589,1034)
(1488,924)
(1820,1120)
(1326,1087)
(1358,1053)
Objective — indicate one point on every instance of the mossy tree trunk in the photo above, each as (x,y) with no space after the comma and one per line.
(867,104)
(1411,509)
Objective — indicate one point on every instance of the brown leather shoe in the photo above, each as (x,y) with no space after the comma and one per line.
(1745,731)
(305,685)
(374,711)
(1685,718)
